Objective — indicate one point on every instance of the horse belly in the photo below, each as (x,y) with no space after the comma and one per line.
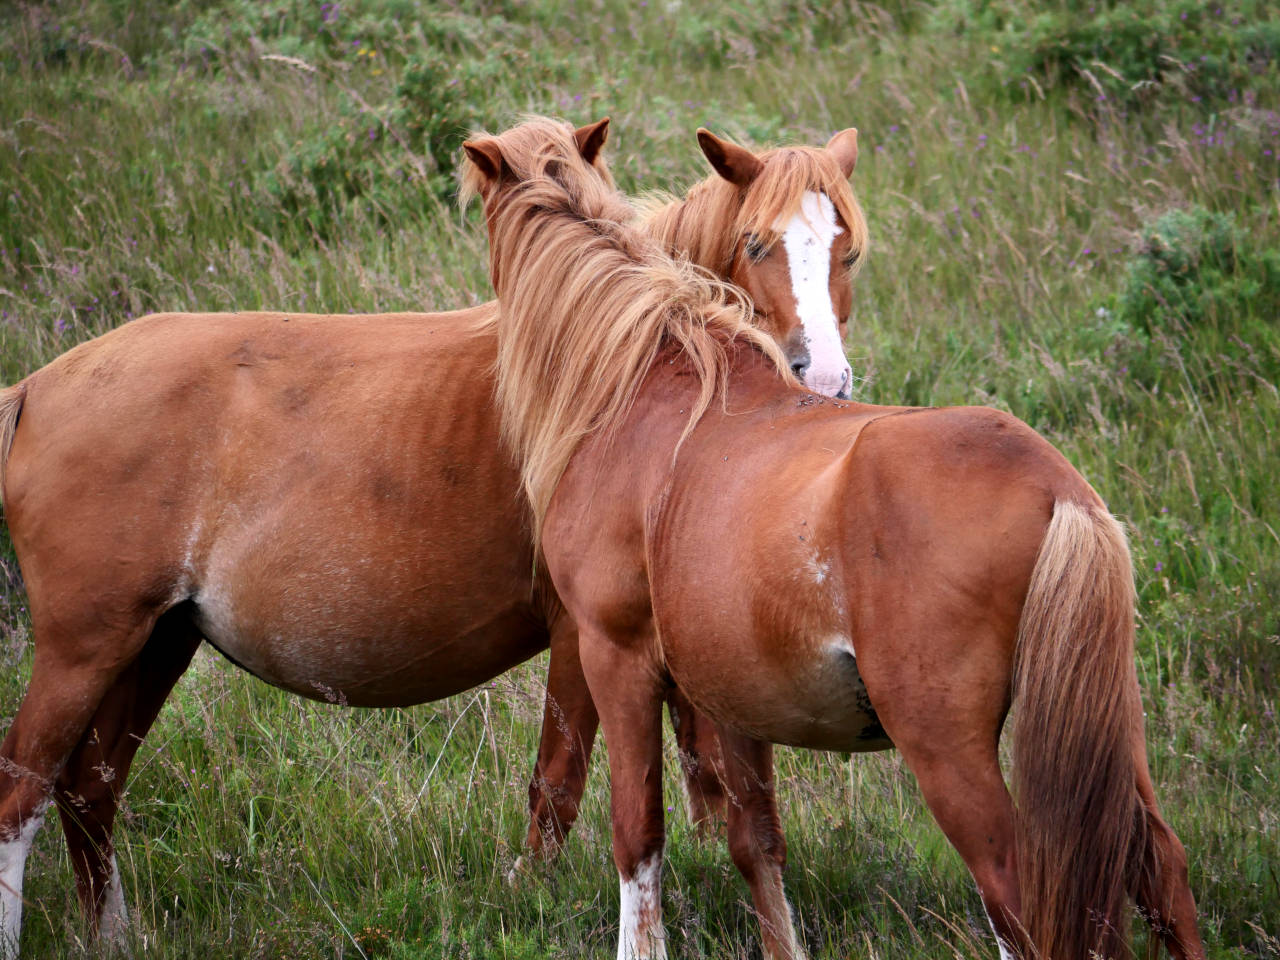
(816,700)
(365,646)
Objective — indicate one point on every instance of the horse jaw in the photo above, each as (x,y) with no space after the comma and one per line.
(807,239)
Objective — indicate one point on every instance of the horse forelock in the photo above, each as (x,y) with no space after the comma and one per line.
(709,221)
(588,300)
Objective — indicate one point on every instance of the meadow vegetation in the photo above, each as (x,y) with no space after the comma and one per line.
(1075,216)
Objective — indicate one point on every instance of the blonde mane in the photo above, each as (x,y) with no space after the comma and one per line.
(588,301)
(708,222)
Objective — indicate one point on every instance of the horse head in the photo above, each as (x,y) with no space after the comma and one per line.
(794,234)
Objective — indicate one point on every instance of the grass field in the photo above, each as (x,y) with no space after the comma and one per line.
(1075,216)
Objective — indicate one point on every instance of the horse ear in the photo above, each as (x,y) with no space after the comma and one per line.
(486,155)
(736,164)
(591,139)
(844,147)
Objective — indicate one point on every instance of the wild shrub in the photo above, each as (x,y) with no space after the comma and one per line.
(1194,267)
(322,32)
(1196,302)
(58,34)
(399,154)
(1125,53)
(1193,308)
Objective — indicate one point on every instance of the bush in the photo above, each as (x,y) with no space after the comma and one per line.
(334,31)
(64,33)
(1196,305)
(397,155)
(1193,268)
(1127,53)
(1193,310)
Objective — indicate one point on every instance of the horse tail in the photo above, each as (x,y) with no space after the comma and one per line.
(1078,740)
(11,401)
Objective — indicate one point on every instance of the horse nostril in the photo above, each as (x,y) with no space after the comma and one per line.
(799,369)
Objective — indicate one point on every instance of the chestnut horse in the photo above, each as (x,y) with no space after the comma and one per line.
(324,499)
(824,574)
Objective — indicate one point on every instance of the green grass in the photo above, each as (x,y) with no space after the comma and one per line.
(1103,267)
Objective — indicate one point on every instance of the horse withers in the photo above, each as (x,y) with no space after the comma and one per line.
(326,500)
(818,573)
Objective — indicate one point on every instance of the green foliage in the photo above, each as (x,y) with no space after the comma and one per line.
(1195,287)
(1194,267)
(59,34)
(340,31)
(1127,52)
(718,35)
(398,154)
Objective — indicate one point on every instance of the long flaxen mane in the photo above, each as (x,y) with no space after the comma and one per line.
(588,301)
(707,223)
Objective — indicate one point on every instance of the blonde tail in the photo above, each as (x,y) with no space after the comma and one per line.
(1081,825)
(11,401)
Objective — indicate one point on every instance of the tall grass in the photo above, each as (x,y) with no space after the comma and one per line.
(1065,225)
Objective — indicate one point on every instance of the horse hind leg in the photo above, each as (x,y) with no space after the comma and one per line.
(569,724)
(73,671)
(756,841)
(968,798)
(88,789)
(947,727)
(700,761)
(1161,890)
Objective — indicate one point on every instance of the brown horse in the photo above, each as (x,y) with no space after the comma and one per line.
(824,574)
(325,499)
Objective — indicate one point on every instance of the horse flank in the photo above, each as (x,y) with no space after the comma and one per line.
(709,221)
(588,301)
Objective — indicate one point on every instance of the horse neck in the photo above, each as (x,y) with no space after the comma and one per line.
(671,386)
(685,228)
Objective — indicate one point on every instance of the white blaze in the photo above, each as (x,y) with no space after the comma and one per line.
(807,238)
(642,936)
(13,863)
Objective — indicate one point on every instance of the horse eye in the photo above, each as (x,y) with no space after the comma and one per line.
(755,248)
(851,258)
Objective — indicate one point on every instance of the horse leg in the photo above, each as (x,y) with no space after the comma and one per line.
(89,788)
(628,691)
(946,724)
(68,682)
(756,843)
(1162,893)
(569,723)
(700,759)
(968,798)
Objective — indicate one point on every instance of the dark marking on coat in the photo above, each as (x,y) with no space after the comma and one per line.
(387,490)
(243,355)
(293,399)
(873,732)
